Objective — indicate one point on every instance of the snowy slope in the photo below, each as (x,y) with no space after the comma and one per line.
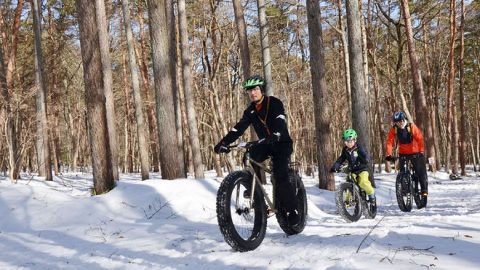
(157,224)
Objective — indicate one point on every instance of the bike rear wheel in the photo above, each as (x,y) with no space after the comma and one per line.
(404,191)
(301,194)
(348,201)
(243,225)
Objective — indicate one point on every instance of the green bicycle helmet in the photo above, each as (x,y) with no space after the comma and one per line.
(349,134)
(254,81)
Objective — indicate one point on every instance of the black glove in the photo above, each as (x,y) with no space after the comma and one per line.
(335,168)
(221,148)
(389,158)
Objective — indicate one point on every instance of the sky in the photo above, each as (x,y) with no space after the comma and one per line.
(161,224)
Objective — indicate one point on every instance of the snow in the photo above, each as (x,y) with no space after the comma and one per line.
(161,224)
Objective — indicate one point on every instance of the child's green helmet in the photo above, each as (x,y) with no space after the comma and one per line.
(349,134)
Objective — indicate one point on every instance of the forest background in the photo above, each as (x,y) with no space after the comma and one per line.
(142,86)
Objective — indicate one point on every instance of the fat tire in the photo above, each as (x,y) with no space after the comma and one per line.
(405,206)
(224,213)
(302,208)
(340,202)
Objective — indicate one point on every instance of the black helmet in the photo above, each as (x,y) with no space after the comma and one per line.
(254,81)
(398,116)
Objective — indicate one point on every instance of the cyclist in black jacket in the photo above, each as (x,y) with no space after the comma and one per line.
(267,115)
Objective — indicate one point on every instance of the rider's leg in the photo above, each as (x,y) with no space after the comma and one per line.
(421,172)
(365,183)
(284,189)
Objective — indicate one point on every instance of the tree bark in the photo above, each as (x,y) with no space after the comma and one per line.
(463,124)
(95,97)
(107,82)
(242,37)
(189,95)
(163,90)
(360,106)
(422,116)
(320,99)
(134,70)
(265,43)
(451,128)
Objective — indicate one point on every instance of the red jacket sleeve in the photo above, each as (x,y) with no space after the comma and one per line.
(418,137)
(390,141)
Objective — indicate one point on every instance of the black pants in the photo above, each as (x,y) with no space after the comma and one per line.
(280,153)
(420,168)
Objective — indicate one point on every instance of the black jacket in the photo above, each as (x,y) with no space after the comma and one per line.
(357,159)
(269,121)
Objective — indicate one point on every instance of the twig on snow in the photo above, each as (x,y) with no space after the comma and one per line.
(371,230)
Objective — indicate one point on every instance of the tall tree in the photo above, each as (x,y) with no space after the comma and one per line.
(452,147)
(10,50)
(163,89)
(422,116)
(43,149)
(172,44)
(95,97)
(320,97)
(242,37)
(189,95)
(264,41)
(107,82)
(461,67)
(360,105)
(134,71)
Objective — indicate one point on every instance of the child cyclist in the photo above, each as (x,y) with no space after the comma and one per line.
(357,159)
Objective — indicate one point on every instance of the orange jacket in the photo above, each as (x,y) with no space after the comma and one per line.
(408,142)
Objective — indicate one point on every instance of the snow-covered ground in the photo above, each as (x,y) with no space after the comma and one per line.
(157,224)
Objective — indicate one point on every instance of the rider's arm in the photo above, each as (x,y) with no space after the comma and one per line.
(390,142)
(341,159)
(238,129)
(363,154)
(418,137)
(279,128)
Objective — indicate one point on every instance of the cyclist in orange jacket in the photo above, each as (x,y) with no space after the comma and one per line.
(411,144)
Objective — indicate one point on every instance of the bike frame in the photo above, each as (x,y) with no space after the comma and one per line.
(247,165)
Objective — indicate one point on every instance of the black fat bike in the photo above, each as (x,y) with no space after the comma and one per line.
(352,201)
(243,203)
(407,186)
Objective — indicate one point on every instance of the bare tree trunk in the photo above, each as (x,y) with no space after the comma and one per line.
(422,118)
(128,156)
(360,106)
(12,131)
(152,125)
(346,60)
(141,131)
(172,44)
(189,95)
(242,37)
(95,97)
(163,94)
(463,124)
(266,58)
(107,83)
(452,143)
(320,98)
(43,149)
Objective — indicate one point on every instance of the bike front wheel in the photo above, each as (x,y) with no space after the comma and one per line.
(242,221)
(348,201)
(404,191)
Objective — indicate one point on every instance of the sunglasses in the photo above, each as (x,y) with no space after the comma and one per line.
(349,140)
(251,88)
